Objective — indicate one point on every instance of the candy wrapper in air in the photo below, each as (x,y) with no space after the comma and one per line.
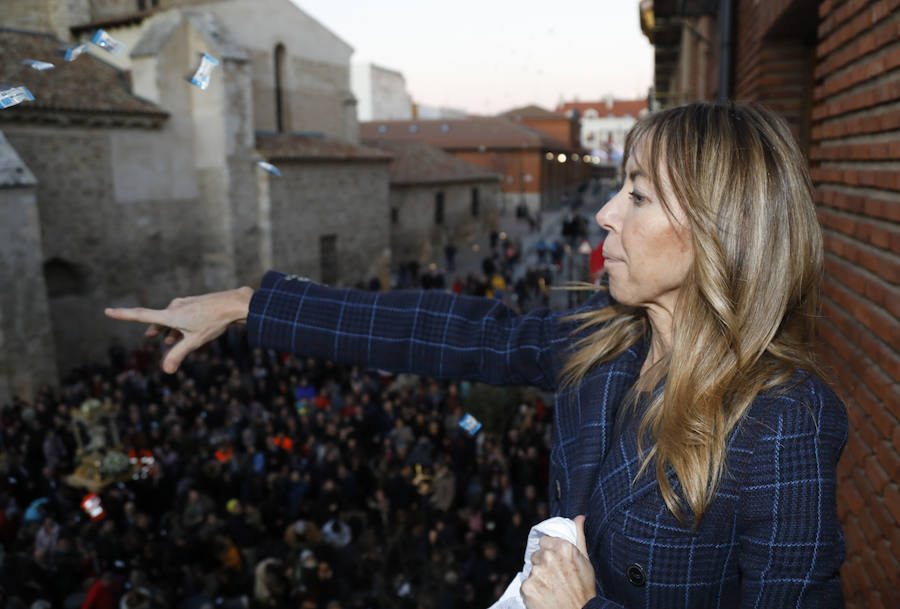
(75,52)
(11,96)
(269,167)
(470,424)
(40,66)
(105,41)
(201,76)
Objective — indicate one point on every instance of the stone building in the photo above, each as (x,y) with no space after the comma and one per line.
(27,356)
(146,187)
(437,200)
(830,68)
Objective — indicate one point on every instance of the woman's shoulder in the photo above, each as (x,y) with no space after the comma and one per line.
(805,402)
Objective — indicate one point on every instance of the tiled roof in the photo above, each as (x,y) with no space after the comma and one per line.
(13,170)
(461,134)
(417,163)
(84,85)
(314,148)
(618,107)
(531,111)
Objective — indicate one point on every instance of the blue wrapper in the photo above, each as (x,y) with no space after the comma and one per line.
(470,424)
(201,76)
(107,42)
(14,95)
(269,167)
(40,66)
(75,52)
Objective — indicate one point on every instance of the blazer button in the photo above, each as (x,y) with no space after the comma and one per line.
(636,575)
(558,490)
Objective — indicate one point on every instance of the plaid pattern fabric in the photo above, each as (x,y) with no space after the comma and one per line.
(770,538)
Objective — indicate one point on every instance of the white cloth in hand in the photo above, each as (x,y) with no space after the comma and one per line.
(564,528)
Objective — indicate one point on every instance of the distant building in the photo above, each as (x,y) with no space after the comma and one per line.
(380,93)
(604,123)
(424,112)
(437,200)
(537,169)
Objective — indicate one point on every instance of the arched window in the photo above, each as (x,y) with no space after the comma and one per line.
(280,122)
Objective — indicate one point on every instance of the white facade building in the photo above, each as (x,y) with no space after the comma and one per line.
(380,93)
(605,123)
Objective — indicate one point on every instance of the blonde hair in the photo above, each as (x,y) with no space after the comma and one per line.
(744,322)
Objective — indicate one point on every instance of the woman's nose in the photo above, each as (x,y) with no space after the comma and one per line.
(606,215)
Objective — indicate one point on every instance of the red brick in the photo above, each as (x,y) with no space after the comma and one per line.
(851,497)
(892,500)
(875,601)
(876,474)
(886,453)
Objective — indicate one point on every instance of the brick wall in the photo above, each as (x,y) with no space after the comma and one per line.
(832,69)
(855,159)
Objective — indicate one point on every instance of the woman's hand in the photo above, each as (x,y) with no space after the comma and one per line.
(562,576)
(191,322)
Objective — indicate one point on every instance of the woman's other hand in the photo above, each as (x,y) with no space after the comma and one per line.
(562,576)
(190,322)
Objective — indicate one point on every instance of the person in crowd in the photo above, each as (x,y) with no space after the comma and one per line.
(695,442)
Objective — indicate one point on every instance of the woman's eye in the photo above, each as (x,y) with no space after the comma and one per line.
(637,197)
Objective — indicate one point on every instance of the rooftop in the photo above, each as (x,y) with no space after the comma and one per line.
(276,147)
(417,163)
(85,85)
(606,107)
(461,134)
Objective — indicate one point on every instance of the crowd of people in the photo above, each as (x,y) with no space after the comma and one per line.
(274,482)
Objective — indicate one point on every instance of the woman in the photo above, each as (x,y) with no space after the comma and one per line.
(694,439)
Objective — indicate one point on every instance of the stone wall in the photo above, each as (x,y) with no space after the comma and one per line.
(123,233)
(316,76)
(26,340)
(416,236)
(348,200)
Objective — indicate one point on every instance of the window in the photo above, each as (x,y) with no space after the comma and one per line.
(439,208)
(474,202)
(63,278)
(280,125)
(395,216)
(328,261)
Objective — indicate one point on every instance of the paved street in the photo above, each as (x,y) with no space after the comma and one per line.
(518,230)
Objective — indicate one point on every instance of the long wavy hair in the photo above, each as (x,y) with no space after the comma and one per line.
(745,318)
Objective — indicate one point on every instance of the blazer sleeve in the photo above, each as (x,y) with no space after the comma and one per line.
(792,546)
(432,333)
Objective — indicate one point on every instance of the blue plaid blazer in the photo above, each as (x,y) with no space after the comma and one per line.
(769,539)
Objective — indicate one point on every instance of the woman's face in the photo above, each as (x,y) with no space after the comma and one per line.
(648,249)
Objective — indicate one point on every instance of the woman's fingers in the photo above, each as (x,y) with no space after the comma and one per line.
(159,317)
(153,330)
(580,542)
(176,355)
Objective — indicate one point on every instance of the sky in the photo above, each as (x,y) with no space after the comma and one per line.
(487,56)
